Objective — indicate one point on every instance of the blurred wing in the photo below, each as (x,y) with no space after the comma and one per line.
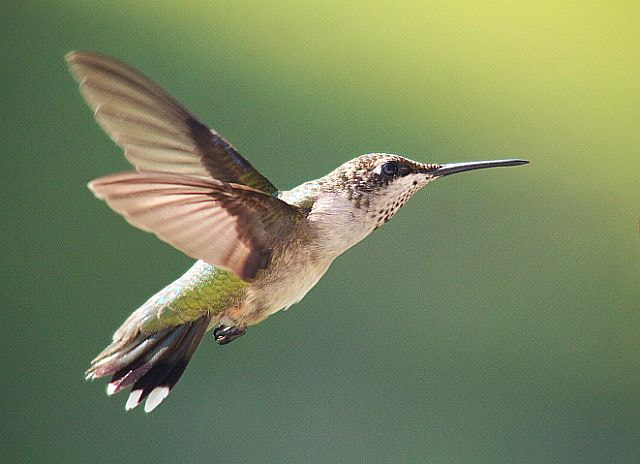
(156,132)
(231,226)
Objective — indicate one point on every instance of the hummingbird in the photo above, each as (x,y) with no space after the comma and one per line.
(258,249)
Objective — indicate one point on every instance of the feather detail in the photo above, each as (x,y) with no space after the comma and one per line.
(156,132)
(227,225)
(153,364)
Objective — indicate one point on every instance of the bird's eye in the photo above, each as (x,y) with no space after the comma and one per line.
(390,169)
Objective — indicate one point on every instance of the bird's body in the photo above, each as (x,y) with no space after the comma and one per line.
(259,250)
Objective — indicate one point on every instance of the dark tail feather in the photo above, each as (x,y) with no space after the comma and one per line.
(152,363)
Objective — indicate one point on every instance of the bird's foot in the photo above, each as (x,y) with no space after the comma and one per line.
(226,334)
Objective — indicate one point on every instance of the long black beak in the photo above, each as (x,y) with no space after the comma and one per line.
(454,168)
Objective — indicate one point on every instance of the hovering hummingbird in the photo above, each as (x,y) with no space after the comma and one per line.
(259,249)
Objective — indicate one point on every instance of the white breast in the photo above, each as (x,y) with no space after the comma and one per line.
(338,224)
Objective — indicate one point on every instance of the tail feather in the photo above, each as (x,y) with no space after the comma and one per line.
(166,372)
(127,354)
(133,368)
(152,363)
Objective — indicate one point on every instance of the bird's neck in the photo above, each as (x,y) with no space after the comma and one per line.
(338,218)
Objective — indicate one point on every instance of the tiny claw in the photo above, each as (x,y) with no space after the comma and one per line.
(226,334)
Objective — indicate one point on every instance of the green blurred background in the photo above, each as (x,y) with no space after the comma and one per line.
(496,319)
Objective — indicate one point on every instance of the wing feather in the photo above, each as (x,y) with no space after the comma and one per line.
(231,226)
(156,132)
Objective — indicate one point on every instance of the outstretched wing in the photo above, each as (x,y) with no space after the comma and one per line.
(156,132)
(227,225)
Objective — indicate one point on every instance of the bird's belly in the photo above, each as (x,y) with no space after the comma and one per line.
(282,289)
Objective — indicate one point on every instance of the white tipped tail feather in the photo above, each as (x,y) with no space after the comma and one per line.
(133,400)
(155,398)
(112,389)
(151,364)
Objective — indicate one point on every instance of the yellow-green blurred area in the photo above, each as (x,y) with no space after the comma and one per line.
(495,319)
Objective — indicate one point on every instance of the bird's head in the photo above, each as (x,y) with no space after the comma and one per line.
(382,183)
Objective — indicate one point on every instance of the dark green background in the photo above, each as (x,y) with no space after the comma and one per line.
(496,319)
